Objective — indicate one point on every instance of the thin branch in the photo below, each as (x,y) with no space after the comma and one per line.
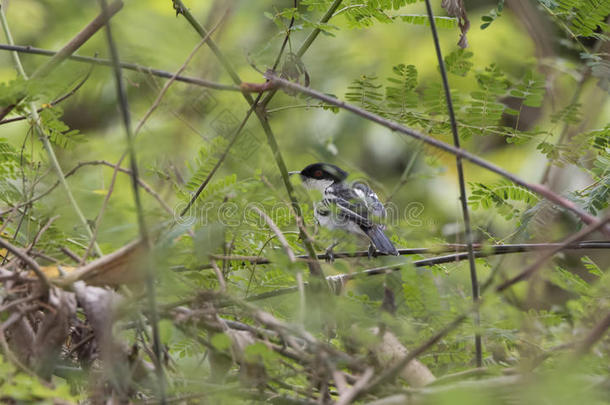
(482,251)
(220,277)
(167,84)
(222,157)
(462,184)
(536,188)
(341,279)
(54,102)
(39,234)
(124,65)
(100,215)
(280,236)
(150,276)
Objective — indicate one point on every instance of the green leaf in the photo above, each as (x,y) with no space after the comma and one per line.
(221,342)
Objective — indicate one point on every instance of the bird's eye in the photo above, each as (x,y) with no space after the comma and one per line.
(318,173)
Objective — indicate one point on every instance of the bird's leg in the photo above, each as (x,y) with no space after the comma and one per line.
(330,257)
(372,251)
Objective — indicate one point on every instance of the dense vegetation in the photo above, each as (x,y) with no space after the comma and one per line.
(155,250)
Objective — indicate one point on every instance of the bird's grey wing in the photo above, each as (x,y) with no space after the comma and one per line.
(366,194)
(350,207)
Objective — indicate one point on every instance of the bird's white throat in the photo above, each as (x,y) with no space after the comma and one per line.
(317,184)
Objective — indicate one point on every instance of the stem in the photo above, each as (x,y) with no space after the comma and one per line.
(460,171)
(36,122)
(150,276)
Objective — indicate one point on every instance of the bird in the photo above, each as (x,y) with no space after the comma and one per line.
(354,208)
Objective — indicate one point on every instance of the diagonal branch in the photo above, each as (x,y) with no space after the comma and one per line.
(75,43)
(54,102)
(536,188)
(460,172)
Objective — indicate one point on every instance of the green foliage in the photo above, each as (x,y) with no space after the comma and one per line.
(531,89)
(492,15)
(583,17)
(21,388)
(365,92)
(58,132)
(9,159)
(363,14)
(403,95)
(458,62)
(502,196)
(485,109)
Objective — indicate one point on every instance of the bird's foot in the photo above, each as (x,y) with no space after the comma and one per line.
(329,255)
(372,251)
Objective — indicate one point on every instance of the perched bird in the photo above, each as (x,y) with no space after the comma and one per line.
(354,207)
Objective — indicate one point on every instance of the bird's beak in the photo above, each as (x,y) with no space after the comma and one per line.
(291,173)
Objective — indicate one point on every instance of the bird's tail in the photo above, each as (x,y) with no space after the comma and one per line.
(381,241)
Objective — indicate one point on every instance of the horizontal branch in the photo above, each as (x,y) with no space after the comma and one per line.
(484,252)
(536,188)
(124,65)
(448,248)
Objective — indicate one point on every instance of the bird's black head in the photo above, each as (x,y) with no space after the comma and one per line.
(323,171)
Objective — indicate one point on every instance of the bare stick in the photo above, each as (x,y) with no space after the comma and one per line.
(347,397)
(220,277)
(124,65)
(536,188)
(462,184)
(280,236)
